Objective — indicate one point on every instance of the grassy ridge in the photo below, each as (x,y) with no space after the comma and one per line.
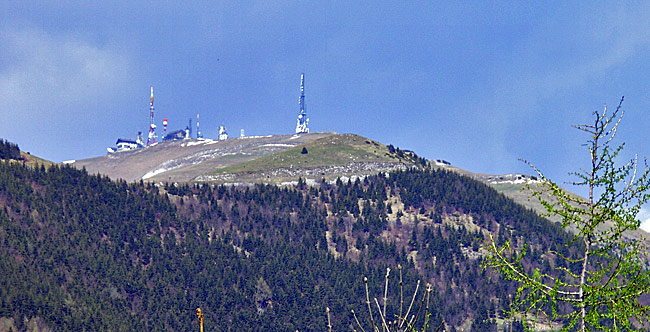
(328,151)
(35,161)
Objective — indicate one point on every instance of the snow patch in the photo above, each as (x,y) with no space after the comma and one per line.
(166,166)
(256,136)
(154,173)
(294,136)
(72,161)
(199,142)
(280,145)
(192,159)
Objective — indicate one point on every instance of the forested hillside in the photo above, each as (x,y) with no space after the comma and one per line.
(82,252)
(9,150)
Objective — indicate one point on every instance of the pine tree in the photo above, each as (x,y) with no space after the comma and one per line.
(600,287)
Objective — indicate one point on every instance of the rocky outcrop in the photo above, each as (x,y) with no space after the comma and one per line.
(35,324)
(315,173)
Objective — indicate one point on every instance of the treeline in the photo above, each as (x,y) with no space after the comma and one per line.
(9,150)
(84,252)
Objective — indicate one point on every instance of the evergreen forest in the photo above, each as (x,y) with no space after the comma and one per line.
(81,252)
(9,150)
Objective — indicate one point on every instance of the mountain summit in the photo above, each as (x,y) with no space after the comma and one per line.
(254,159)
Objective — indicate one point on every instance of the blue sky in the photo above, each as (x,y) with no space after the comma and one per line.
(479,84)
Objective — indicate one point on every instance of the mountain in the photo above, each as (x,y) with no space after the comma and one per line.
(82,251)
(255,159)
(278,159)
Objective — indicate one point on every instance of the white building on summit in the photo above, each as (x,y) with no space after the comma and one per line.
(125,144)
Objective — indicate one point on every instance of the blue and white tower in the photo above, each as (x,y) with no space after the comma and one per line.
(303,120)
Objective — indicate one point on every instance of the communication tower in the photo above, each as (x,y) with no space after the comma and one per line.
(152,127)
(164,128)
(303,121)
(198,131)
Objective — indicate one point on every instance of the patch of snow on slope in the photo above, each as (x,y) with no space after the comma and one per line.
(246,137)
(199,142)
(192,159)
(280,145)
(154,173)
(166,166)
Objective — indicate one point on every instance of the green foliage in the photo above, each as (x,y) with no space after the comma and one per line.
(599,279)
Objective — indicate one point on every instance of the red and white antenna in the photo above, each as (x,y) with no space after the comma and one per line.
(164,128)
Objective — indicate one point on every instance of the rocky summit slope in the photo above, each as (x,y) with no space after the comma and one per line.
(182,160)
(269,159)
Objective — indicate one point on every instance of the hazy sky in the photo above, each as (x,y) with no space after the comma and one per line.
(477,84)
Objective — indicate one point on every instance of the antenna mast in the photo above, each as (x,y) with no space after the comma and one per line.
(303,121)
(152,127)
(198,131)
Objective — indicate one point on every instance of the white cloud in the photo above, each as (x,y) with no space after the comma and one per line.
(57,69)
(53,84)
(604,43)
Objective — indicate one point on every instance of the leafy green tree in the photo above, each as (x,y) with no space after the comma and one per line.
(598,282)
